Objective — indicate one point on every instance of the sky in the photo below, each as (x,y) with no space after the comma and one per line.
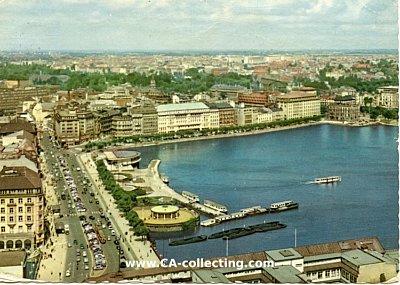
(148,25)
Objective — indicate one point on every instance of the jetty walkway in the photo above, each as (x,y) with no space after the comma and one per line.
(153,180)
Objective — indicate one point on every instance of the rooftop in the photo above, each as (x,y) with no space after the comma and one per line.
(370,243)
(19,177)
(295,95)
(284,274)
(12,258)
(181,107)
(210,276)
(359,257)
(283,254)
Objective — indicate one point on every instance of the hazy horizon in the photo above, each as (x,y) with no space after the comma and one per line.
(179,26)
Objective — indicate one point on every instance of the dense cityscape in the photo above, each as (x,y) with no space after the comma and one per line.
(199,141)
(67,179)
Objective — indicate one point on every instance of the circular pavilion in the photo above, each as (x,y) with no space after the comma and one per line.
(166,218)
(165,212)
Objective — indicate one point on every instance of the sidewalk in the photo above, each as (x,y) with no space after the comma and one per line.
(54,254)
(53,264)
(136,249)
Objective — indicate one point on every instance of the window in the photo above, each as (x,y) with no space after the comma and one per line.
(29,227)
(29,218)
(11,219)
(3,210)
(20,209)
(29,200)
(20,229)
(2,201)
(11,201)
(20,219)
(3,219)
(29,209)
(11,210)
(319,274)
(327,273)
(3,229)
(20,200)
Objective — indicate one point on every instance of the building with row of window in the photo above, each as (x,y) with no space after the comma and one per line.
(388,97)
(22,201)
(297,105)
(352,261)
(186,116)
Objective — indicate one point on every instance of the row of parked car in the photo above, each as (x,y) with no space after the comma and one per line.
(94,244)
(80,207)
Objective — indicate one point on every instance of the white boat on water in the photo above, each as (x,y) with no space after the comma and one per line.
(329,179)
(208,223)
(164,178)
(215,206)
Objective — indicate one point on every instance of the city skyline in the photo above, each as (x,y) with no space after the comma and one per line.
(124,25)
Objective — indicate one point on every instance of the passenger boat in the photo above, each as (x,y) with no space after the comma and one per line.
(188,240)
(208,223)
(329,179)
(283,206)
(164,178)
(215,206)
(193,198)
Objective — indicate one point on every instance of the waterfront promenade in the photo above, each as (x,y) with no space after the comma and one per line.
(152,180)
(134,247)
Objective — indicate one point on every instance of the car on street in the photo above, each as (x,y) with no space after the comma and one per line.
(86,267)
(92,218)
(67,273)
(69,244)
(84,254)
(108,238)
(86,260)
(82,246)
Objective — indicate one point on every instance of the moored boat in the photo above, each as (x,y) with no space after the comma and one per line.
(283,206)
(330,179)
(208,223)
(215,206)
(164,178)
(188,240)
(193,198)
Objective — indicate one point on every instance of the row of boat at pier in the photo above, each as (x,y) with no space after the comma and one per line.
(274,208)
(232,233)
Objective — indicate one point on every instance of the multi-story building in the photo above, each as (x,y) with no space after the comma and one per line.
(245,115)
(126,125)
(186,116)
(254,98)
(344,109)
(299,105)
(103,121)
(149,117)
(227,115)
(66,127)
(388,97)
(21,208)
(353,261)
(74,126)
(11,99)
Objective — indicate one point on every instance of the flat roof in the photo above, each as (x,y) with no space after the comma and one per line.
(295,95)
(211,276)
(115,154)
(284,274)
(359,257)
(283,254)
(181,107)
(12,258)
(165,209)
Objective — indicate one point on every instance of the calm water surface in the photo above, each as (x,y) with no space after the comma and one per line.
(259,170)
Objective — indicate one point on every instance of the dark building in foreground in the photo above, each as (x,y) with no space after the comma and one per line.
(361,260)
